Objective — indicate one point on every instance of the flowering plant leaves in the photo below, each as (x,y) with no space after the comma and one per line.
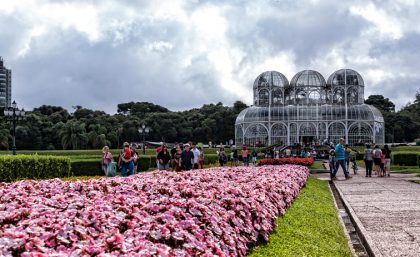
(217,211)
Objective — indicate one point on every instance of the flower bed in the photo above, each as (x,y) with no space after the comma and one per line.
(217,211)
(281,161)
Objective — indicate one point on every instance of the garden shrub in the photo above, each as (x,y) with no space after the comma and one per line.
(418,160)
(405,158)
(16,167)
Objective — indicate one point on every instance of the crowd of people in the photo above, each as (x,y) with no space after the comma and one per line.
(183,157)
(342,155)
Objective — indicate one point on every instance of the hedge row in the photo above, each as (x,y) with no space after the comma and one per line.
(17,167)
(406,158)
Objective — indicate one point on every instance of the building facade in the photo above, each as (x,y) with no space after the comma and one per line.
(309,110)
(5,85)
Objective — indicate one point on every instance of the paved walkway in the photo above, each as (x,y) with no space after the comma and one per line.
(386,210)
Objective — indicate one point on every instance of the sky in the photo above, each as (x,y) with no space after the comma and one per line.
(182,54)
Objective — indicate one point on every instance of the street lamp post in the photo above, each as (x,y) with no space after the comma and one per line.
(143,130)
(13,114)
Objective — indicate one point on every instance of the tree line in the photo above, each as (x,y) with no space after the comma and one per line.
(53,127)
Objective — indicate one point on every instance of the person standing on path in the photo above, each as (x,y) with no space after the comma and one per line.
(245,155)
(377,159)
(332,163)
(187,158)
(387,161)
(106,159)
(368,158)
(341,161)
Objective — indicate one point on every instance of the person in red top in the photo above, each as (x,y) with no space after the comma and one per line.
(245,155)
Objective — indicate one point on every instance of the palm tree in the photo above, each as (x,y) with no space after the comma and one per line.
(73,135)
(4,138)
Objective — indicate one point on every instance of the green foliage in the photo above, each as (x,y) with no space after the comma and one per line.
(401,126)
(310,227)
(16,167)
(383,104)
(405,158)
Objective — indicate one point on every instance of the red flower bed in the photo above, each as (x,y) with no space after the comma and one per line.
(214,212)
(281,161)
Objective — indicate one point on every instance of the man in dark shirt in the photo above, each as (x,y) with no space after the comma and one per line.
(187,158)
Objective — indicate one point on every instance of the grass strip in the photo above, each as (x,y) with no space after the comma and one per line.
(310,227)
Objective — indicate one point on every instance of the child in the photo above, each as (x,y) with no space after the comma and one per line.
(332,163)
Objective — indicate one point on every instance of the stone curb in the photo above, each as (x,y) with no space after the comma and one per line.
(369,244)
(353,253)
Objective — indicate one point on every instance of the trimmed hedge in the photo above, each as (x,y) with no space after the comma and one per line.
(17,167)
(406,158)
(418,160)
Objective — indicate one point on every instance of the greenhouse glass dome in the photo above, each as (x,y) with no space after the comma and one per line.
(309,110)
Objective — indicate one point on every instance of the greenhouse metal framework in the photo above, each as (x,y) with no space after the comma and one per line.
(309,110)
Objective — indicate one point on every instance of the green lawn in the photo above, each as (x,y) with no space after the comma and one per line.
(311,227)
(317,166)
(405,169)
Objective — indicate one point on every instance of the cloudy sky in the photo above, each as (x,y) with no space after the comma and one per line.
(185,53)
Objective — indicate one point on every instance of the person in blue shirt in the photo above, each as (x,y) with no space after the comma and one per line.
(341,161)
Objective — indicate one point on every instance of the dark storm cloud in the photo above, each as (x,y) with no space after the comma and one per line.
(171,53)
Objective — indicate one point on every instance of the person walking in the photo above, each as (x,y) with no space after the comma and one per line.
(163,158)
(196,153)
(126,161)
(387,161)
(377,159)
(177,159)
(201,158)
(136,159)
(222,156)
(106,159)
(341,161)
(332,158)
(368,159)
(187,158)
(234,161)
(347,151)
(245,155)
(254,157)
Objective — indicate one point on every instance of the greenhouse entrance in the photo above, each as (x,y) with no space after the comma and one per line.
(307,140)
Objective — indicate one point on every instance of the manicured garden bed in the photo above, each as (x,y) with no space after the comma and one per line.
(217,211)
(310,227)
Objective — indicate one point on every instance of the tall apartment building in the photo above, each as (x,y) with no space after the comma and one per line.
(5,85)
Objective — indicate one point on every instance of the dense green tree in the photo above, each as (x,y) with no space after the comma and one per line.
(73,135)
(383,104)
(53,127)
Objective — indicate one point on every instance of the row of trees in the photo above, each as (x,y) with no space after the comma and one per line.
(53,127)
(401,126)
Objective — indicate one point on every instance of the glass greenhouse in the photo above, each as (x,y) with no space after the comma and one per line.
(309,110)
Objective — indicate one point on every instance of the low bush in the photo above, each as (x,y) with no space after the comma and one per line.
(281,161)
(418,160)
(405,158)
(17,167)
